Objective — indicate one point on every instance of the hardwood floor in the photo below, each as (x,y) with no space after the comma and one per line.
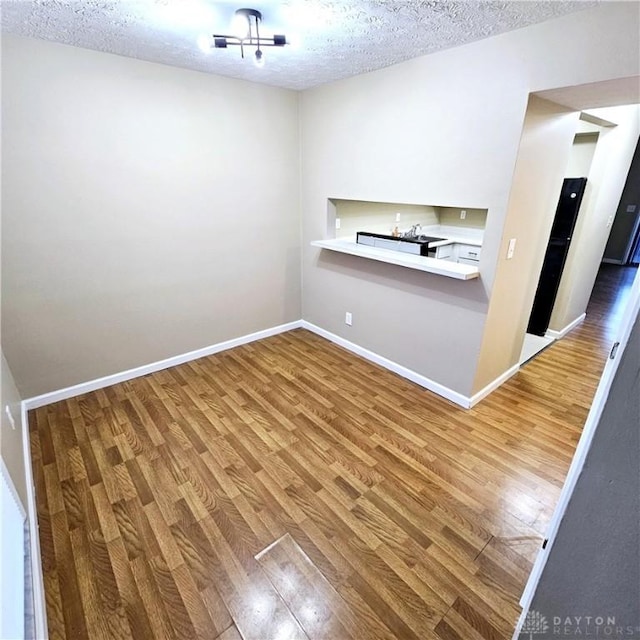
(287,489)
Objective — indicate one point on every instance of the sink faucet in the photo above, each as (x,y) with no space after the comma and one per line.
(415,230)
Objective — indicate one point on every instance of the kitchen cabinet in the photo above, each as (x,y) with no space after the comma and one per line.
(445,252)
(459,252)
(467,252)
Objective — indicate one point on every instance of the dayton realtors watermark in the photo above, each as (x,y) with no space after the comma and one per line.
(598,626)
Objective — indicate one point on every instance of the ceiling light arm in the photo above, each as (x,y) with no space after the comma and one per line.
(258,51)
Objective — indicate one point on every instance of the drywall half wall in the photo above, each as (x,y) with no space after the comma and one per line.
(12,436)
(593,568)
(147,211)
(605,182)
(445,129)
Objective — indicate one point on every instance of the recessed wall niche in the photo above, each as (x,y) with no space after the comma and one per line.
(346,217)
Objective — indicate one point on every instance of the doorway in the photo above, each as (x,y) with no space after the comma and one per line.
(602,150)
(537,338)
(623,245)
(556,254)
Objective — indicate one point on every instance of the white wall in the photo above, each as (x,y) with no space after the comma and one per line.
(11,561)
(147,211)
(445,129)
(11,437)
(12,511)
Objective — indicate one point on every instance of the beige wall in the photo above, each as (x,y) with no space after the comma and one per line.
(380,217)
(147,211)
(144,218)
(544,151)
(606,178)
(11,446)
(377,217)
(474,218)
(582,150)
(445,129)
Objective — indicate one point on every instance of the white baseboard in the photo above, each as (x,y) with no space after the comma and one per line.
(99,383)
(492,386)
(40,607)
(130,374)
(556,335)
(37,577)
(409,374)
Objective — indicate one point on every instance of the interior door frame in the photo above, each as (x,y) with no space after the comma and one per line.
(634,241)
(8,534)
(623,332)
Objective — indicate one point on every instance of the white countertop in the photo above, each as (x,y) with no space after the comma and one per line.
(411,261)
(456,240)
(454,235)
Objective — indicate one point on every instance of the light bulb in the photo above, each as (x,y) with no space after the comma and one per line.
(240,26)
(259,59)
(204,43)
(294,41)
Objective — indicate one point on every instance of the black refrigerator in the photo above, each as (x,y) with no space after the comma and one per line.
(556,254)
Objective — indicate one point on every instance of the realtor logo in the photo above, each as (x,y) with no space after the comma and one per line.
(534,623)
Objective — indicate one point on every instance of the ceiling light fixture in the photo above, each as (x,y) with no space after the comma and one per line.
(246,24)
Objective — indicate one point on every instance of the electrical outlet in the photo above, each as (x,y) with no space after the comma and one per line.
(12,422)
(511,249)
(348,318)
(337,223)
(463,214)
(398,217)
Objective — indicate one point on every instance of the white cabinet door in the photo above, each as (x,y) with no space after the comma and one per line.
(366,240)
(445,252)
(383,243)
(469,252)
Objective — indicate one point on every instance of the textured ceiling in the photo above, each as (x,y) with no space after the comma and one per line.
(333,39)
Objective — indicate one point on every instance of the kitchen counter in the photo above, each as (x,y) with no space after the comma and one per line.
(410,261)
(457,240)
(455,235)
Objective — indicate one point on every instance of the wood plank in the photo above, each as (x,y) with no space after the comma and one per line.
(318,608)
(396,515)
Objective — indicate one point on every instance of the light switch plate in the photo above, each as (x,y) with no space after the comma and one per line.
(511,249)
(631,208)
(337,223)
(12,422)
